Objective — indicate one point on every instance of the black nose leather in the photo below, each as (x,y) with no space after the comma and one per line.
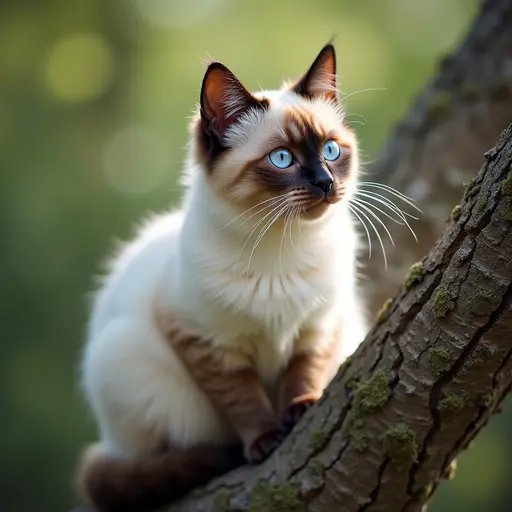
(324,183)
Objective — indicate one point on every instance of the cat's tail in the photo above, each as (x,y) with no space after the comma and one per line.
(113,484)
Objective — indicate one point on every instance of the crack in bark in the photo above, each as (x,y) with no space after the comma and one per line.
(375,492)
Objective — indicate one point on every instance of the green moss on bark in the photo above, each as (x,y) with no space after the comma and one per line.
(266,497)
(472,189)
(383,312)
(443,302)
(315,468)
(400,445)
(353,427)
(369,396)
(483,303)
(480,204)
(452,402)
(317,439)
(506,186)
(456,212)
(222,499)
(414,276)
(373,393)
(440,360)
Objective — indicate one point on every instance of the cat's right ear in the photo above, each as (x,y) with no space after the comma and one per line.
(223,99)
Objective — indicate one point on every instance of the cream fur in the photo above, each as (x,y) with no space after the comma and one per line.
(181,268)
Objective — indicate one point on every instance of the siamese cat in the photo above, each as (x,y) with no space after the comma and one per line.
(223,321)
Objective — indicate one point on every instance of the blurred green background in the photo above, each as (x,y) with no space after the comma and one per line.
(94,100)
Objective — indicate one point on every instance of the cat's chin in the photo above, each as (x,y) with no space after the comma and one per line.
(317,210)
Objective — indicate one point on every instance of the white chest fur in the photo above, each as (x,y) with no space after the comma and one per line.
(258,299)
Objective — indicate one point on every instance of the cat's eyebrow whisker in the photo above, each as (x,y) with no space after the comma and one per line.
(371,89)
(273,200)
(355,114)
(391,190)
(393,207)
(366,230)
(376,233)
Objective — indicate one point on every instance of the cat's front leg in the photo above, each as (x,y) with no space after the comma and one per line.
(307,374)
(229,378)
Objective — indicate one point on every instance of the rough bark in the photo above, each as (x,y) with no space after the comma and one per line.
(439,144)
(434,368)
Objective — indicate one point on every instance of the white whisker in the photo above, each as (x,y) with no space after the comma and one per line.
(385,201)
(376,232)
(261,234)
(366,230)
(379,220)
(252,229)
(362,201)
(290,223)
(392,206)
(393,191)
(272,200)
(298,222)
(281,256)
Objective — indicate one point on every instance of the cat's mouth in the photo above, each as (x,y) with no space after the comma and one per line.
(327,199)
(319,206)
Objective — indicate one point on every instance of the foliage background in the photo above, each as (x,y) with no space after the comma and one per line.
(94,97)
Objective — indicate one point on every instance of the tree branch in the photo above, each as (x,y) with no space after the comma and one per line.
(429,375)
(439,144)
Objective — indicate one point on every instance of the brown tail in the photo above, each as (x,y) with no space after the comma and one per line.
(142,485)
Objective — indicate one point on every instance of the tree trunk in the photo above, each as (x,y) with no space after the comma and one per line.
(429,375)
(439,145)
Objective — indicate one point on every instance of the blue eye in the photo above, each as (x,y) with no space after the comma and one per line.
(281,158)
(331,150)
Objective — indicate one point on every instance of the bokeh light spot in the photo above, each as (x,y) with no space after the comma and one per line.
(79,68)
(136,159)
(172,14)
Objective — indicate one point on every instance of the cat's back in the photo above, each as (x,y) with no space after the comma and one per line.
(137,271)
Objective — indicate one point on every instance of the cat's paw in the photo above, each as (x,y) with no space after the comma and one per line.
(294,412)
(264,445)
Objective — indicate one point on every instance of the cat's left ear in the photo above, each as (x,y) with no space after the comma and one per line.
(223,99)
(320,79)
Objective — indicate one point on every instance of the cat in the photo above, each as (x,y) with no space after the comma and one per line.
(222,322)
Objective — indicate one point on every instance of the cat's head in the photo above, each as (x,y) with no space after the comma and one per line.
(291,144)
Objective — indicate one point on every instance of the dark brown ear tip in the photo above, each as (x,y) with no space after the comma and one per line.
(216,66)
(329,48)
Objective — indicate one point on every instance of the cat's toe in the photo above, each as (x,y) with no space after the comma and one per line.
(294,412)
(262,447)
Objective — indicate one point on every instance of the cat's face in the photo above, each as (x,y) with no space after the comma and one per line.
(286,147)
